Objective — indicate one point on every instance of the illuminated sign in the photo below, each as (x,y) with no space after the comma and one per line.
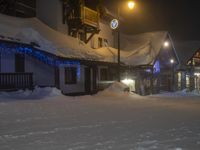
(114,24)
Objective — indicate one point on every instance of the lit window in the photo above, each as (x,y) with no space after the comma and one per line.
(179,80)
(187,81)
(70,75)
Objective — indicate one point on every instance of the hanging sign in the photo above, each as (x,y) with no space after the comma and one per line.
(114,24)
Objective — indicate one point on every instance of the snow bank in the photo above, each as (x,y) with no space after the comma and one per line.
(118,90)
(114,90)
(183,93)
(196,92)
(117,87)
(37,93)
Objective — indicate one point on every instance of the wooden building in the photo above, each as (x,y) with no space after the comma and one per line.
(73,49)
(188,70)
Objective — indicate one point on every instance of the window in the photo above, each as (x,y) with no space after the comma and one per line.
(179,80)
(104,74)
(105,41)
(187,81)
(70,75)
(100,42)
(19,8)
(81,36)
(19,63)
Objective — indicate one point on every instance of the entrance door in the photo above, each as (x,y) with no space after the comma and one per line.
(87,80)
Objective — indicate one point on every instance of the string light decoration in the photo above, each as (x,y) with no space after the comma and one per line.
(45,57)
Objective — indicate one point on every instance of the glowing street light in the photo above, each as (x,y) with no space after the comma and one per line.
(166,44)
(115,25)
(131,5)
(172,61)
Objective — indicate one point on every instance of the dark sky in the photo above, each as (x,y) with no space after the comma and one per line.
(180,17)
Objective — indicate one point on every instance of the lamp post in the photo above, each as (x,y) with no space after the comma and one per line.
(115,25)
(172,73)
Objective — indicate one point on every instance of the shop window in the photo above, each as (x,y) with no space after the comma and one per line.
(179,80)
(70,75)
(187,81)
(104,74)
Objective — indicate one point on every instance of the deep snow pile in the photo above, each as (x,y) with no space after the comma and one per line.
(116,87)
(37,93)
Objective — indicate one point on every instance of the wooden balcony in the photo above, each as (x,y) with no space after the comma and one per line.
(14,81)
(82,21)
(89,17)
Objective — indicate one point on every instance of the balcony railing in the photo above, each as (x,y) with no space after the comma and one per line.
(89,16)
(14,81)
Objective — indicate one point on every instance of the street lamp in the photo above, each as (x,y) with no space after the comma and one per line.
(172,61)
(115,25)
(131,5)
(166,44)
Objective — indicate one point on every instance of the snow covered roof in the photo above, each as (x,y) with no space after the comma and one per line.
(143,48)
(33,30)
(136,50)
(186,50)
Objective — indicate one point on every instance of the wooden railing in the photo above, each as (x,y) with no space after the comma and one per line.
(89,16)
(13,81)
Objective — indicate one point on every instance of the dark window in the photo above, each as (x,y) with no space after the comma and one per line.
(105,42)
(70,75)
(18,8)
(100,42)
(92,4)
(103,74)
(81,36)
(112,74)
(19,63)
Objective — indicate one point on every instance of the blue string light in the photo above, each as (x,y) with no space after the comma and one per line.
(49,59)
(156,67)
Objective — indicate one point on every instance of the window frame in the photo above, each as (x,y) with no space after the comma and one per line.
(70,75)
(105,77)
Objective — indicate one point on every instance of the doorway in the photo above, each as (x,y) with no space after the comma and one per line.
(87,79)
(19,63)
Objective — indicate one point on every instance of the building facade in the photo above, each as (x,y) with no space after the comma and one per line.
(71,47)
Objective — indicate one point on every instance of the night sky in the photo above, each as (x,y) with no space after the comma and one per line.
(180,17)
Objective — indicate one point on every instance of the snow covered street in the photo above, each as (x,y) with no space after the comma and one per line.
(101,122)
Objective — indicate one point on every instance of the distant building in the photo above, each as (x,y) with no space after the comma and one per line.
(188,76)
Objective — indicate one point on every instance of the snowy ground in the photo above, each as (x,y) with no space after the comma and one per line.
(101,122)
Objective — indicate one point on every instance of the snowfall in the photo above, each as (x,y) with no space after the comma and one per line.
(44,119)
